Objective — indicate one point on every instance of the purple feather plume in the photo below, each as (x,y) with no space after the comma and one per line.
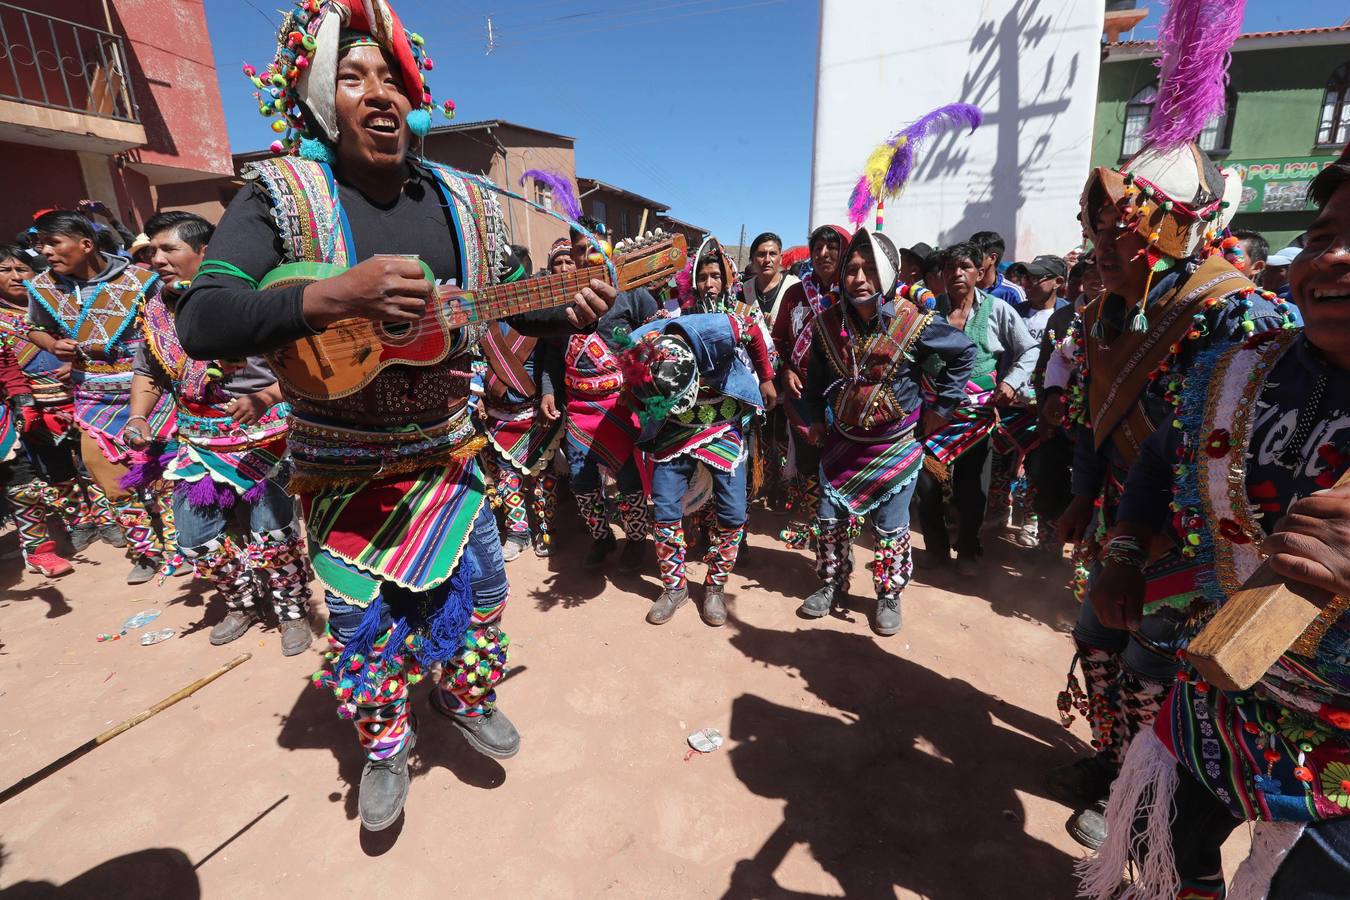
(1195,39)
(953,115)
(564,197)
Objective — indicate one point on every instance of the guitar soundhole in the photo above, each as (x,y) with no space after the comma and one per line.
(398,332)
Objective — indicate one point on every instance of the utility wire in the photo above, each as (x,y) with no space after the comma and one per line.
(657,21)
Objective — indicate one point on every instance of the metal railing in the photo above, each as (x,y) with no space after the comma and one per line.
(61,64)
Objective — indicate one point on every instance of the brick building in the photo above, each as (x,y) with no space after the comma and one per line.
(95,103)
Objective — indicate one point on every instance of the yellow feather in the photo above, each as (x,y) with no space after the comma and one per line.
(878,163)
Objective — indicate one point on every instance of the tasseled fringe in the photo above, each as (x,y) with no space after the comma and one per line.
(443,638)
(255,493)
(936,467)
(1145,787)
(359,646)
(1098,332)
(146,472)
(206,493)
(1271,843)
(1139,323)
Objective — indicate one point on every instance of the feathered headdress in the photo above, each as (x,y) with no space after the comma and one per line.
(1171,192)
(889,167)
(1195,41)
(564,197)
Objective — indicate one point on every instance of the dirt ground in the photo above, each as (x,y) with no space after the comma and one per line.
(853,766)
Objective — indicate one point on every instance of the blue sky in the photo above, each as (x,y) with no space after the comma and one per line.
(705,105)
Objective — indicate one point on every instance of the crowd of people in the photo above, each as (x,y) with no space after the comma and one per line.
(1151,401)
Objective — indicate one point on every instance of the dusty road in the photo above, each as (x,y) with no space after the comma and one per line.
(853,766)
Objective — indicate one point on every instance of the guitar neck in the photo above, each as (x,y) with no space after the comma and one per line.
(504,300)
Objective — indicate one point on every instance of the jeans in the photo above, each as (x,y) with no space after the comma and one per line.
(199,526)
(585,473)
(1150,653)
(888,516)
(1317,868)
(483,552)
(967,493)
(1048,467)
(670,480)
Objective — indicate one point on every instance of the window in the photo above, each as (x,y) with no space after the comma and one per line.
(1218,134)
(627,217)
(543,194)
(598,210)
(1215,138)
(1137,112)
(1333,130)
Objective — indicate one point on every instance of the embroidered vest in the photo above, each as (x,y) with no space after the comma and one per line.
(313,228)
(103,320)
(868,365)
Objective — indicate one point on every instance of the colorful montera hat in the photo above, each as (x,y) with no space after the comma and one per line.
(299,88)
(1171,191)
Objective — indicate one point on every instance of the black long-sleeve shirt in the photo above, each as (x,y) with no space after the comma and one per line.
(223,316)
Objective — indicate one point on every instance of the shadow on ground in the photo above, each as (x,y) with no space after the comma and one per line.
(162,873)
(910,782)
(313,724)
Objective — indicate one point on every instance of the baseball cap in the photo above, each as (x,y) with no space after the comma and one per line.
(1284,257)
(1046,266)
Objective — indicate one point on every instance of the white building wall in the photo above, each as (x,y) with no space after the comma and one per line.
(1030,65)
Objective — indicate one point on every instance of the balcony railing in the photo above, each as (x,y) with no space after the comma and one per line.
(61,64)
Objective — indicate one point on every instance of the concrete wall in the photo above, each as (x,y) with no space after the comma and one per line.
(1031,65)
(173,75)
(1278,105)
(39,179)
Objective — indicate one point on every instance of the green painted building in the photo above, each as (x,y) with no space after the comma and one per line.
(1288,116)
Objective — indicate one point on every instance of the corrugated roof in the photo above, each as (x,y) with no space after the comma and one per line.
(1253,36)
(585,185)
(483,124)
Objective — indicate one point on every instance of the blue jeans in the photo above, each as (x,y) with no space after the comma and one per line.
(1150,653)
(888,516)
(483,552)
(197,526)
(585,472)
(670,480)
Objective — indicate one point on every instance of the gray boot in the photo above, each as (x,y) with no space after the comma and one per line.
(821,602)
(491,734)
(714,607)
(384,788)
(666,604)
(887,621)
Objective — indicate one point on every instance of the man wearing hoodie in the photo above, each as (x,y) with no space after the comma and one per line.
(86,310)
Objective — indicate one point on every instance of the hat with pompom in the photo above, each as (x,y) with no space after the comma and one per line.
(299,88)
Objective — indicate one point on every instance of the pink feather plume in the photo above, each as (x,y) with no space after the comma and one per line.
(1195,39)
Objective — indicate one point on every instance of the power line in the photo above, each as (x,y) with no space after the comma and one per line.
(548,24)
(656,21)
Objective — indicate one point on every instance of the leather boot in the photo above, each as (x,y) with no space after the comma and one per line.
(714,610)
(491,733)
(834,564)
(664,608)
(384,788)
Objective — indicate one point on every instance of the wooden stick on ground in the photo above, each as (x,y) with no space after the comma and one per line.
(1257,626)
(56,765)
